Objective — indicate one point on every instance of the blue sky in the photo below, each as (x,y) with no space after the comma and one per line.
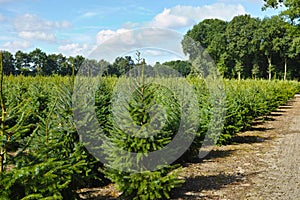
(78,27)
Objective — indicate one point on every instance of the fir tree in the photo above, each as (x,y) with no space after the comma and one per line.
(137,130)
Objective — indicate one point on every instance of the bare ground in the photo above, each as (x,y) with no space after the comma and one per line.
(264,163)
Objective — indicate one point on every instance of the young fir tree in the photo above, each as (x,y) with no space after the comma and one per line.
(13,126)
(52,163)
(136,129)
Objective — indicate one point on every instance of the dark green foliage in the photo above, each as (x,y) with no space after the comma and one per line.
(49,162)
(270,44)
(207,31)
(45,159)
(183,67)
(146,185)
(247,100)
(137,128)
(8,63)
(103,97)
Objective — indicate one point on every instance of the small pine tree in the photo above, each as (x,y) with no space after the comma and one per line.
(136,130)
(13,126)
(52,163)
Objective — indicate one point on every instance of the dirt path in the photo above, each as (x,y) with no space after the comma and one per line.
(281,177)
(264,163)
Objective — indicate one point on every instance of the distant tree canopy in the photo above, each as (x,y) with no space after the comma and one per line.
(183,67)
(248,47)
(38,62)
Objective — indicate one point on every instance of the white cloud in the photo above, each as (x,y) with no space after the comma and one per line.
(31,27)
(30,22)
(104,35)
(7,38)
(16,45)
(74,49)
(121,42)
(184,16)
(117,42)
(130,25)
(168,19)
(36,35)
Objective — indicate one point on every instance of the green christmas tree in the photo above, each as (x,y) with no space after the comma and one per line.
(138,129)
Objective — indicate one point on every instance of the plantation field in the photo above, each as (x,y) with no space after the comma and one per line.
(45,119)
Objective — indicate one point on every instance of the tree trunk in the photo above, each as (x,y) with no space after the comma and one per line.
(270,67)
(285,68)
(239,76)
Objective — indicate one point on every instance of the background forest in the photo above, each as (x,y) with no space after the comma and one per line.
(244,47)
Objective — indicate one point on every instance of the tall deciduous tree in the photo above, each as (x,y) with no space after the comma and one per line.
(239,35)
(22,62)
(8,63)
(63,68)
(76,62)
(206,31)
(269,34)
(121,66)
(291,14)
(183,67)
(210,35)
(38,59)
(283,45)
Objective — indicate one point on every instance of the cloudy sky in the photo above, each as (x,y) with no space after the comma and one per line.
(78,27)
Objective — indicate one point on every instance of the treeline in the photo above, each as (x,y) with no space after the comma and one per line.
(248,47)
(244,47)
(38,62)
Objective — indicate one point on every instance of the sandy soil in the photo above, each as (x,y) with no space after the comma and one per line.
(263,164)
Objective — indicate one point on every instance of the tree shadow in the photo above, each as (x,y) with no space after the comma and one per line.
(289,103)
(268,118)
(257,122)
(247,139)
(275,114)
(218,154)
(260,129)
(210,155)
(193,186)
